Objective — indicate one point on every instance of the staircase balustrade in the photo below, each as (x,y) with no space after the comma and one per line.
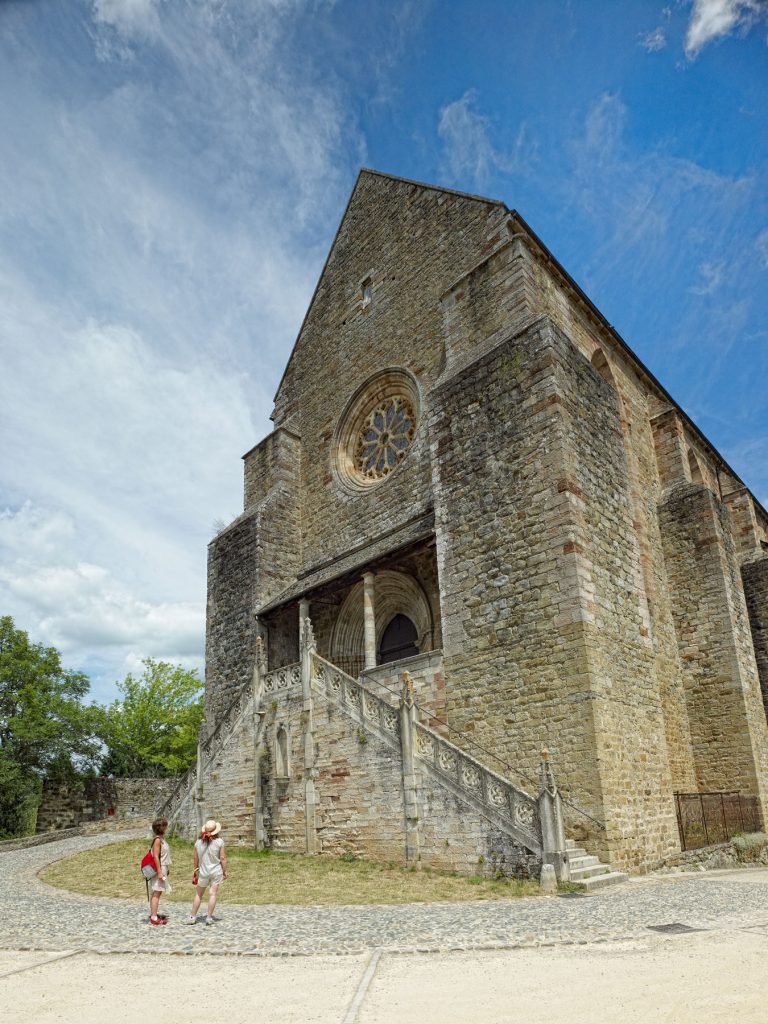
(505,801)
(278,680)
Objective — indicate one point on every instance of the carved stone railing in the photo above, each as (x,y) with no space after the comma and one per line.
(503,802)
(271,682)
(500,796)
(351,694)
(174,803)
(286,678)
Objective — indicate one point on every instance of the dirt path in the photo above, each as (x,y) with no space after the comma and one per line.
(678,979)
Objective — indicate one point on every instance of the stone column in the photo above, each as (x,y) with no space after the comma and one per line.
(199,786)
(308,649)
(407,724)
(259,671)
(369,619)
(553,849)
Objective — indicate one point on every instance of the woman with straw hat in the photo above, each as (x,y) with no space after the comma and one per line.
(210,869)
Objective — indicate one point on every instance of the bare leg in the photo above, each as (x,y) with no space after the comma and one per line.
(199,893)
(213,892)
(154,902)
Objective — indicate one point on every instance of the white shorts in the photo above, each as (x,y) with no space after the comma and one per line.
(203,881)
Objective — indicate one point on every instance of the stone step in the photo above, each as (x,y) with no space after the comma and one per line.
(576,852)
(578,874)
(600,881)
(585,861)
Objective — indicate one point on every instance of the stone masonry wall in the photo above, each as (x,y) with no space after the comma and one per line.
(229,790)
(360,802)
(754,576)
(650,469)
(426,671)
(411,242)
(727,718)
(71,805)
(541,622)
(253,559)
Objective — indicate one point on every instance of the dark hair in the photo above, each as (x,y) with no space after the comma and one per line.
(159,825)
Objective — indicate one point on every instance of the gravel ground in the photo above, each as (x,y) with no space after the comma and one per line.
(39,917)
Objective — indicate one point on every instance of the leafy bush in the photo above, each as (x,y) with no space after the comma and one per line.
(750,846)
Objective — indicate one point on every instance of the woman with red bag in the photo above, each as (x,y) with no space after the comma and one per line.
(161,853)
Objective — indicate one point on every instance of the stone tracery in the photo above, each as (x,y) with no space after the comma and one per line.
(385,438)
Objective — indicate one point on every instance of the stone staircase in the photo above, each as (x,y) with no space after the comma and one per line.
(589,872)
(496,798)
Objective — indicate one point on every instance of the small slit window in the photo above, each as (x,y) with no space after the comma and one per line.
(367,290)
(283,757)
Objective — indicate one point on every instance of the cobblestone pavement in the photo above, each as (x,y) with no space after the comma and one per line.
(38,916)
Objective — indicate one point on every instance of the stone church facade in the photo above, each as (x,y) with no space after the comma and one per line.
(475,487)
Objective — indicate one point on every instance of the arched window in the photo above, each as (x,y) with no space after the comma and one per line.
(695,468)
(398,640)
(283,756)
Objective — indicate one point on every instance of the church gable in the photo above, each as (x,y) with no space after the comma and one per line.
(400,244)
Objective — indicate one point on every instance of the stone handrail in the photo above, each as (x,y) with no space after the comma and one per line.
(498,794)
(285,678)
(352,694)
(500,797)
(210,747)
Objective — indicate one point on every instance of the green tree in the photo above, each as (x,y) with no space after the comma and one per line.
(44,725)
(153,730)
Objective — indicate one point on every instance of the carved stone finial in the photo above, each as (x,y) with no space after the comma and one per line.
(307,634)
(408,695)
(261,654)
(546,778)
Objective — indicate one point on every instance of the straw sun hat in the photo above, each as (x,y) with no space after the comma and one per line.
(212,827)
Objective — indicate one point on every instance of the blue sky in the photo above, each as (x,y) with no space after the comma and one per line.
(171,176)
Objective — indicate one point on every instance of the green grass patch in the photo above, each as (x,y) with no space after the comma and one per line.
(268,877)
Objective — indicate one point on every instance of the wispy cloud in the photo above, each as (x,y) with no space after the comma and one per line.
(654,40)
(468,151)
(711,278)
(713,19)
(165,214)
(761,248)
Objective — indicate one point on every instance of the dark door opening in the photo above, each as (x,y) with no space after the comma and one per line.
(398,640)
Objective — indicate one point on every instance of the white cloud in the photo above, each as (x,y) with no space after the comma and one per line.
(128,16)
(711,278)
(654,40)
(604,127)
(165,216)
(468,150)
(761,247)
(636,198)
(711,19)
(80,607)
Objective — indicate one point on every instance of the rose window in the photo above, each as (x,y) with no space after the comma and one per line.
(376,430)
(385,437)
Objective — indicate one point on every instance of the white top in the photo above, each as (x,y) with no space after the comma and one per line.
(209,857)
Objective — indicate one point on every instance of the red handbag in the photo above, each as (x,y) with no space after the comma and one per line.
(148,865)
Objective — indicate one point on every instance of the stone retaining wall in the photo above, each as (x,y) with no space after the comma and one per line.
(71,805)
